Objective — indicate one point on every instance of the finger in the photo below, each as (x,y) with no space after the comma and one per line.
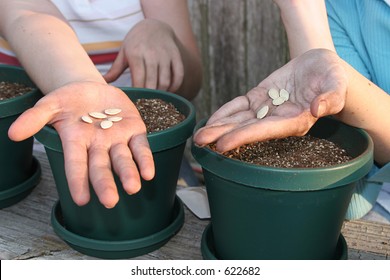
(151,74)
(273,127)
(76,170)
(143,156)
(164,76)
(117,68)
(101,177)
(31,121)
(125,168)
(238,117)
(240,103)
(177,69)
(138,72)
(210,134)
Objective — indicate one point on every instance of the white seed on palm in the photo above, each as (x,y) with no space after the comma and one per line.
(262,112)
(106,124)
(97,115)
(278,101)
(112,111)
(114,119)
(86,119)
(273,93)
(284,94)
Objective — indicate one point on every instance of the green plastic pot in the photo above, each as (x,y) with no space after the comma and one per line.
(260,212)
(19,170)
(140,223)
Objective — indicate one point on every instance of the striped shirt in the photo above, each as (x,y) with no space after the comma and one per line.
(100,26)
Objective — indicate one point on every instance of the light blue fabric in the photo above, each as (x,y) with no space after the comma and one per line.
(361,34)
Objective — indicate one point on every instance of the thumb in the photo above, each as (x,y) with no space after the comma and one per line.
(329,103)
(117,68)
(30,122)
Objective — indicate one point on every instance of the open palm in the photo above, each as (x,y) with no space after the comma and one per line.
(90,152)
(317,84)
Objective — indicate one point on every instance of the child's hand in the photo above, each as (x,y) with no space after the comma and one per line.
(151,51)
(92,153)
(317,83)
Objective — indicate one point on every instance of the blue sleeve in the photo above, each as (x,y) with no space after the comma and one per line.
(361,34)
(346,35)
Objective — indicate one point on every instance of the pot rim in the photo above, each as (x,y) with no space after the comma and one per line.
(275,178)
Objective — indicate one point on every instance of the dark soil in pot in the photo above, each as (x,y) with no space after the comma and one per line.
(9,90)
(291,152)
(167,116)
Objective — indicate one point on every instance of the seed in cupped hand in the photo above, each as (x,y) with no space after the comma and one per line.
(106,124)
(112,111)
(278,97)
(284,94)
(114,119)
(86,119)
(278,101)
(273,93)
(97,115)
(262,112)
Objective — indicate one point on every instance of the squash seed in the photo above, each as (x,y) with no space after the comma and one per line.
(262,112)
(285,94)
(273,93)
(278,101)
(114,119)
(97,115)
(112,111)
(86,119)
(106,124)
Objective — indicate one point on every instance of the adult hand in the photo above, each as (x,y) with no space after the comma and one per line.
(317,83)
(151,51)
(90,151)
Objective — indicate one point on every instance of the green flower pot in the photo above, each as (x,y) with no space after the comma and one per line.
(260,212)
(139,223)
(19,170)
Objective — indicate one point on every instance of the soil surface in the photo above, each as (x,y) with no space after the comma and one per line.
(291,152)
(9,90)
(158,114)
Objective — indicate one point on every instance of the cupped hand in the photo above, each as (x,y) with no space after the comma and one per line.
(151,51)
(317,83)
(90,152)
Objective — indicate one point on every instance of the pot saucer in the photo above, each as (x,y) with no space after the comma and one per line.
(209,252)
(15,194)
(118,249)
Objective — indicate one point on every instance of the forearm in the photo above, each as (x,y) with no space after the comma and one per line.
(306,25)
(54,56)
(367,106)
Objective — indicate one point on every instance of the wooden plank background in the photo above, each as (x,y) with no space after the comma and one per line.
(241,41)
